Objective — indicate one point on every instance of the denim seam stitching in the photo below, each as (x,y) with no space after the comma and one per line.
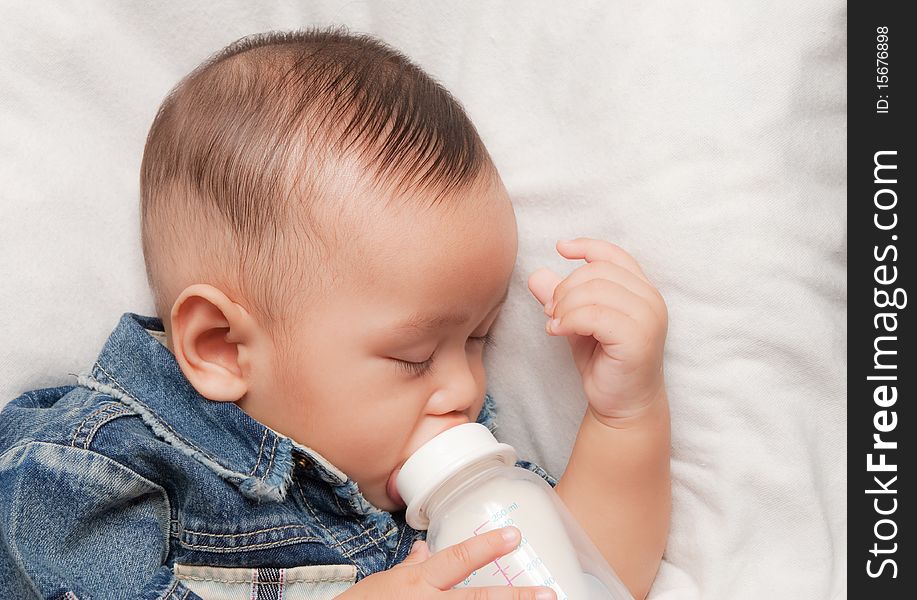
(340,507)
(116,412)
(329,579)
(270,464)
(79,427)
(224,549)
(169,591)
(259,531)
(372,541)
(178,528)
(318,519)
(339,544)
(398,545)
(92,415)
(377,539)
(260,453)
(166,432)
(156,417)
(366,531)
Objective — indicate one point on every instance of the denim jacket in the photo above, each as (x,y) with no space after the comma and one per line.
(130,484)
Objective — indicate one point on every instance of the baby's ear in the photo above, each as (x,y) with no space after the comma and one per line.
(207,329)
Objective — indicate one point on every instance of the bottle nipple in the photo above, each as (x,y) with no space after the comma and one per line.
(453,451)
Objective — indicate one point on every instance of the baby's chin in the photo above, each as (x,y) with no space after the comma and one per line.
(386,497)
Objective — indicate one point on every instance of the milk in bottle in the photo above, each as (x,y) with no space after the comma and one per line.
(464,482)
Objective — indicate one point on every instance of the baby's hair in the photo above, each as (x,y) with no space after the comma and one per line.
(238,173)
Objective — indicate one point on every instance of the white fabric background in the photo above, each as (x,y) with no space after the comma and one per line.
(708,138)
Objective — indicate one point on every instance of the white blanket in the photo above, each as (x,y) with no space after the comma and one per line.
(708,138)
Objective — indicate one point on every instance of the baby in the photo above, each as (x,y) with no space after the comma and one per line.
(329,245)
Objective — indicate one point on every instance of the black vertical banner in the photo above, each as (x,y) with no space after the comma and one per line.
(882,366)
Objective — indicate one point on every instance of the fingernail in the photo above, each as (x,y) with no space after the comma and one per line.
(510,534)
(544,595)
(555,323)
(549,307)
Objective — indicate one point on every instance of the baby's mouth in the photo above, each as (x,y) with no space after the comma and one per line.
(390,488)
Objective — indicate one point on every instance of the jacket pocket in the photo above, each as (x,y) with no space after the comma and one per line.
(313,582)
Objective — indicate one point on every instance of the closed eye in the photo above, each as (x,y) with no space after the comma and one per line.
(422,368)
(416,368)
(487,339)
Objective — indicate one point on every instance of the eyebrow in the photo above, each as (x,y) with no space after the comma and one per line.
(426,322)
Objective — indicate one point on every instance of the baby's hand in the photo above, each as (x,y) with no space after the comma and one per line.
(423,576)
(615,322)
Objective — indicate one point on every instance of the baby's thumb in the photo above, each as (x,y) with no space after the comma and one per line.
(419,553)
(542,283)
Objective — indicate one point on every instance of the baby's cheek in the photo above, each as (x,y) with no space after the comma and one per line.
(385,437)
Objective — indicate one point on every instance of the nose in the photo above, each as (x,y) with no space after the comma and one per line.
(459,388)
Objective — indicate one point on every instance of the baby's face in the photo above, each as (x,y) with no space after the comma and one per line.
(366,388)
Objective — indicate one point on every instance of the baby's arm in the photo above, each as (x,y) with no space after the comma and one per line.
(617,486)
(617,481)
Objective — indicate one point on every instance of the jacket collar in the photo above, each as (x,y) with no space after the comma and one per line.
(137,369)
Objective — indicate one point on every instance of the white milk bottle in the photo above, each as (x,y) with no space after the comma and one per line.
(464,482)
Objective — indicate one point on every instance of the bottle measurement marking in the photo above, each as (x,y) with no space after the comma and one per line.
(501,571)
(497,516)
(491,524)
(500,518)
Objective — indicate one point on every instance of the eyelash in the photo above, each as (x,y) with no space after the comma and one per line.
(422,368)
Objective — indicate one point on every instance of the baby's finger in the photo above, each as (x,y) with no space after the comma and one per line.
(607,325)
(451,565)
(591,250)
(542,283)
(418,554)
(610,294)
(612,272)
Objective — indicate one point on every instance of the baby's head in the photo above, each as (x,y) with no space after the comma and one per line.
(328,242)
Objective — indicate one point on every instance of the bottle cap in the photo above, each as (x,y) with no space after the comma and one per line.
(439,459)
